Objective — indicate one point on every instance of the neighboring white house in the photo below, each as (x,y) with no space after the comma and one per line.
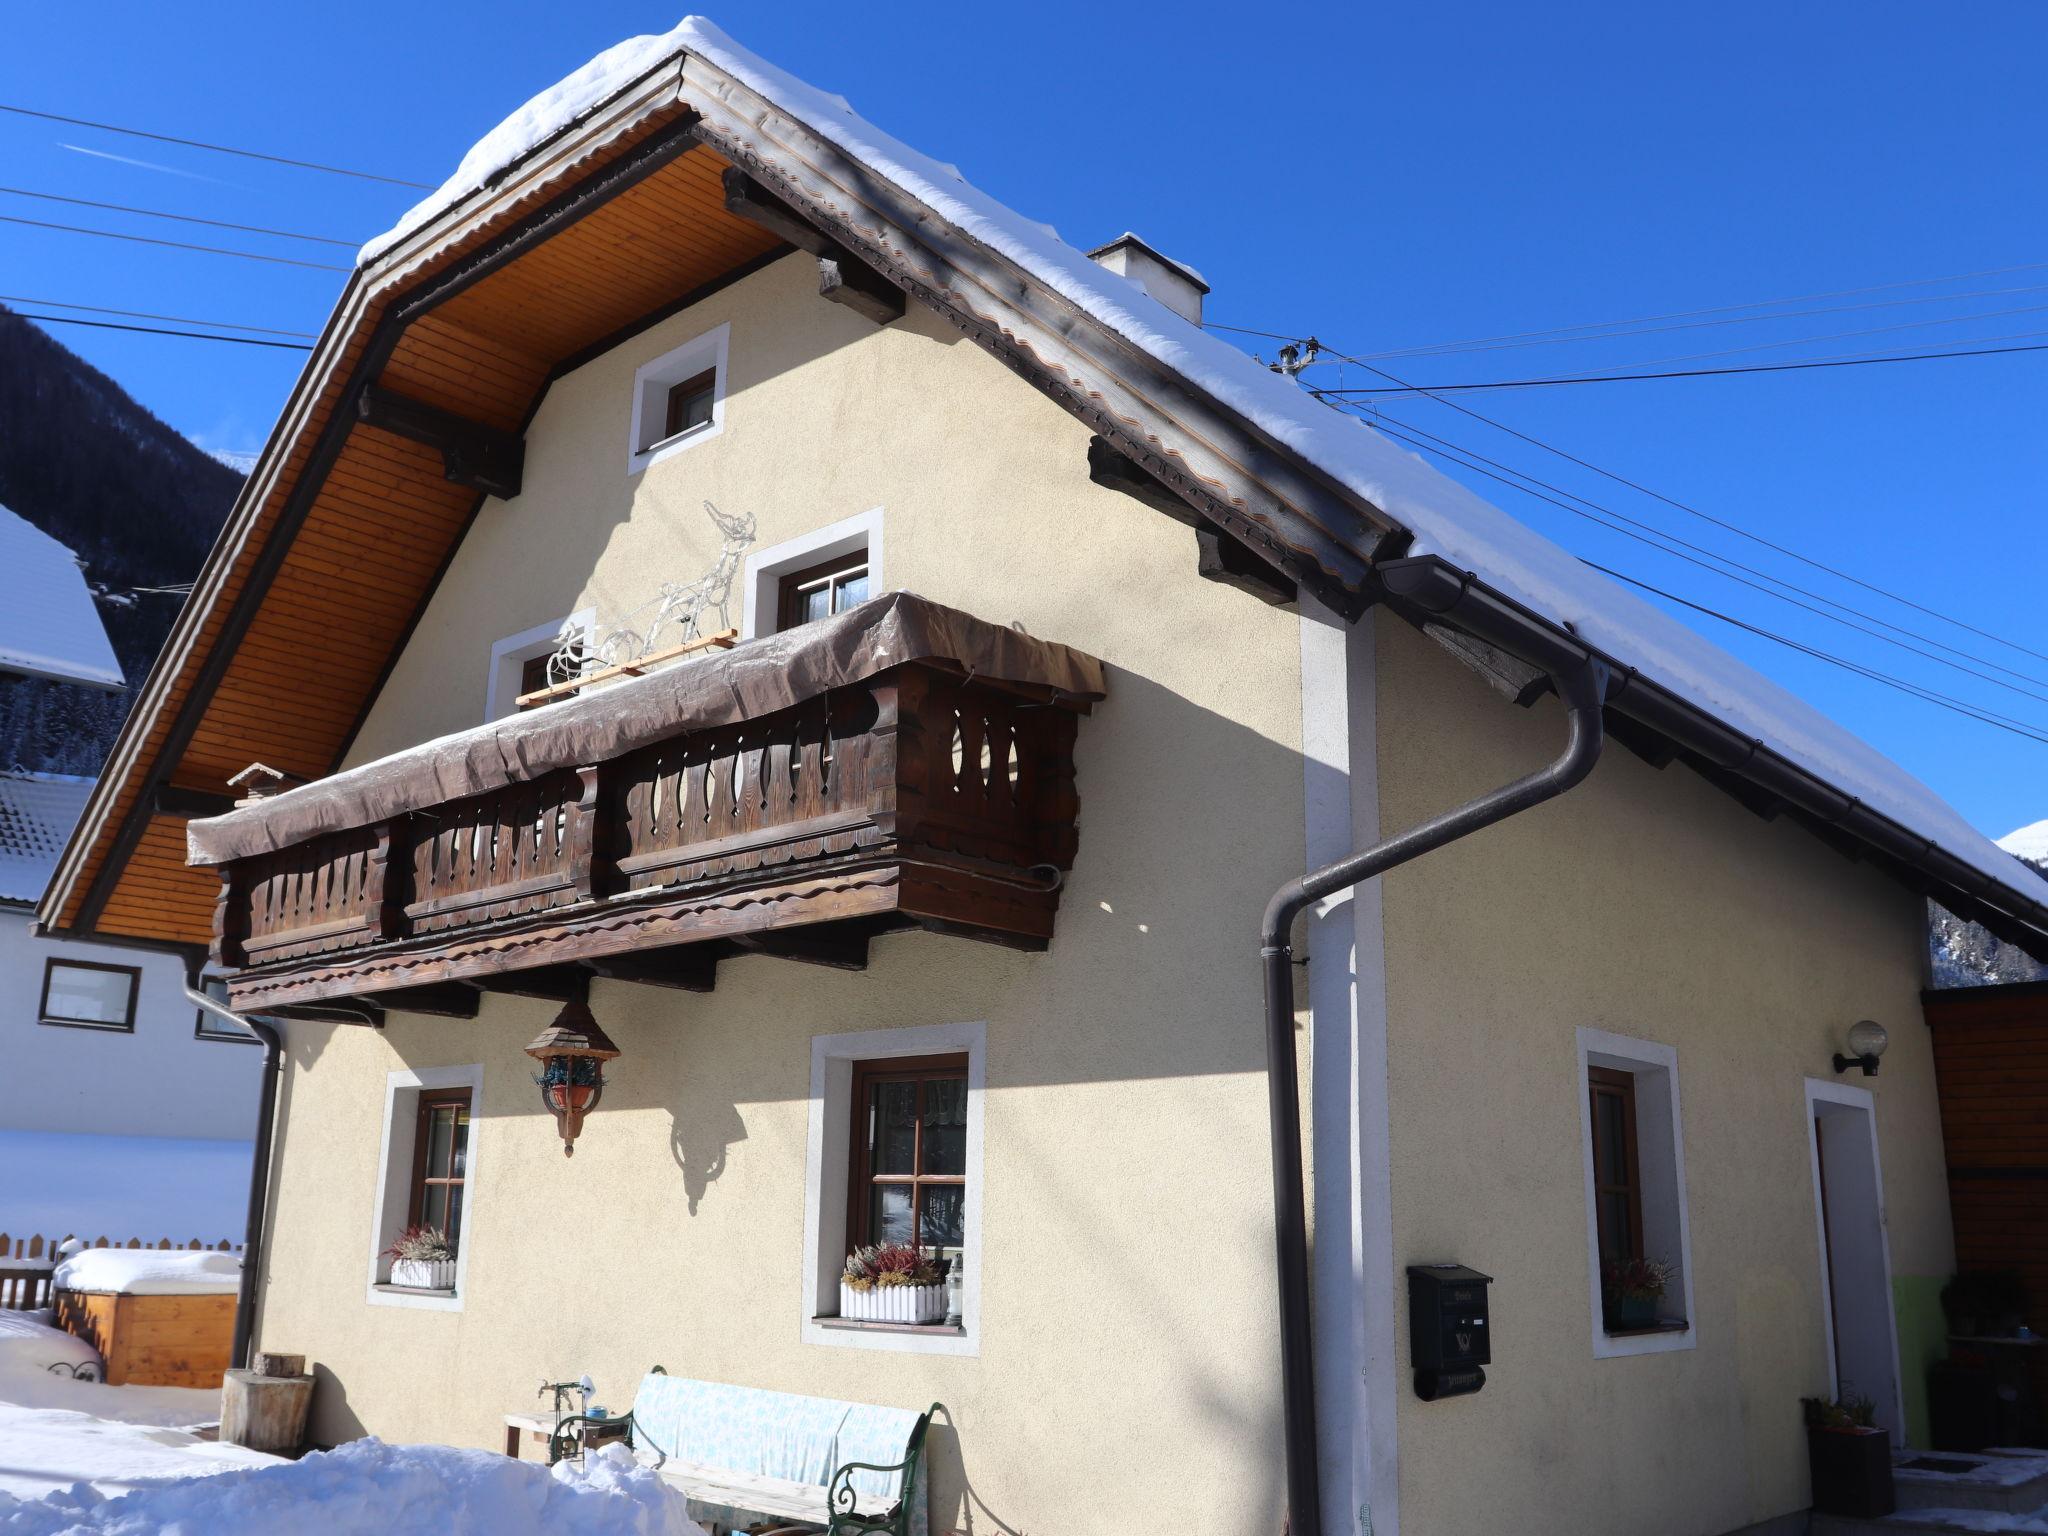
(96,1039)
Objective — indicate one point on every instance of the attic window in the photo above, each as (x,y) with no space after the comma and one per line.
(678,399)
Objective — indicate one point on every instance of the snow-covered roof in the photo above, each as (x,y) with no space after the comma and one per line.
(48,624)
(1445,519)
(37,813)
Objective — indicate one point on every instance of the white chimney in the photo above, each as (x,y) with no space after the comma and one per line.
(1175,284)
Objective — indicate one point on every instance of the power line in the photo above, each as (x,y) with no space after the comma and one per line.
(177,245)
(1926,695)
(1461,456)
(1721,309)
(152,330)
(1688,373)
(143,314)
(1719,522)
(219,149)
(182,218)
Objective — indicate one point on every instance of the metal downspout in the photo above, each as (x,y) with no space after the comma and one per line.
(259,1166)
(1581,686)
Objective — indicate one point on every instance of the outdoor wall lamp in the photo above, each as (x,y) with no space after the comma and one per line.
(1867,1040)
(572,1052)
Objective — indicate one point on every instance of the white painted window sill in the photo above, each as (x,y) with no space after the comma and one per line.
(385,1294)
(416,1290)
(921,1330)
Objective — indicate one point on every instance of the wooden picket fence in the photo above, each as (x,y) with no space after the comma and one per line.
(26,1263)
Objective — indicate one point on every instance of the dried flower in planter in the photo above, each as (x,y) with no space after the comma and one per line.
(890,1264)
(1637,1280)
(1850,1412)
(422,1245)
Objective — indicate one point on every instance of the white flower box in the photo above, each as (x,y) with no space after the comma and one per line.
(424,1274)
(893,1304)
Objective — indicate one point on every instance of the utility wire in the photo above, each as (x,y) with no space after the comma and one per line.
(1690,373)
(182,218)
(153,330)
(1649,533)
(1941,700)
(1687,314)
(143,314)
(219,149)
(1719,522)
(1713,570)
(179,245)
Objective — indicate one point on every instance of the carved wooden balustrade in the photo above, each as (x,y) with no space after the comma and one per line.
(913,798)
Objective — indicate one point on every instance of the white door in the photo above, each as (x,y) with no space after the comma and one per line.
(1856,1266)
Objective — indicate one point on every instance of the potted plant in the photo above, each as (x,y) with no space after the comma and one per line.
(423,1259)
(1631,1292)
(892,1283)
(1849,1456)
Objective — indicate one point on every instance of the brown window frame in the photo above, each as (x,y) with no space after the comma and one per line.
(861,1177)
(201,1030)
(1611,1082)
(788,590)
(679,395)
(125,1027)
(429,1100)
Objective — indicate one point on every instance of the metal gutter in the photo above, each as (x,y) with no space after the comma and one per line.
(1581,681)
(259,1161)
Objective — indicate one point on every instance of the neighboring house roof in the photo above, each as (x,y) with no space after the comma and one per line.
(37,813)
(48,624)
(1316,492)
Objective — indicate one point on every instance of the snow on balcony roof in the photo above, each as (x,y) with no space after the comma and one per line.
(1444,517)
(37,813)
(48,624)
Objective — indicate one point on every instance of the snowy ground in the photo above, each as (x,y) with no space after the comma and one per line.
(120,1187)
(81,1459)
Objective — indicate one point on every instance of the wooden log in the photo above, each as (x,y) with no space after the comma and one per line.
(265,1413)
(268,1364)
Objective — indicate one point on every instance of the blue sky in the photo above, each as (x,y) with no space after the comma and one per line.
(1386,178)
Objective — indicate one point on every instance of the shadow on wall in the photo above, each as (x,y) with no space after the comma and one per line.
(697,1139)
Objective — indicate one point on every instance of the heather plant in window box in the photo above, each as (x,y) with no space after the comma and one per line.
(892,1283)
(1850,1458)
(422,1258)
(1631,1293)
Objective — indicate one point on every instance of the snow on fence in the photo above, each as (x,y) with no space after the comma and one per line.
(26,1263)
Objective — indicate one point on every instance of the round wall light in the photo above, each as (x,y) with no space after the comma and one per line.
(1867,1040)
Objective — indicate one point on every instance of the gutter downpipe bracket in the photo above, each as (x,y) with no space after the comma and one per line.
(1581,681)
(259,1162)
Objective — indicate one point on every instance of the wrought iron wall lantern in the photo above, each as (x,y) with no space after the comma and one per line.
(1867,1040)
(572,1052)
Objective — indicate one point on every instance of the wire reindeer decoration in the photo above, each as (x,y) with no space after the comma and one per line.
(672,617)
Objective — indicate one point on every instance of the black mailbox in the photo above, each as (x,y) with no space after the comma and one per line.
(1448,1337)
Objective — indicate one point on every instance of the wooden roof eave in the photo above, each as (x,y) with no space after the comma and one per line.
(367,290)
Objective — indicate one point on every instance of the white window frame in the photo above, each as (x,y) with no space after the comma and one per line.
(651,383)
(1660,1161)
(826,1170)
(394,1179)
(511,654)
(761,583)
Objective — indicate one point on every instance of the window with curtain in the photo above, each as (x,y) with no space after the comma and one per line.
(909,1163)
(1617,1176)
(440,1160)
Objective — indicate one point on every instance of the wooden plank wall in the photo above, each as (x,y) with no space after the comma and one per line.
(154,1341)
(1991,1068)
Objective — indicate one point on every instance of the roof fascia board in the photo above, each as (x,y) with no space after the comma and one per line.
(1233,472)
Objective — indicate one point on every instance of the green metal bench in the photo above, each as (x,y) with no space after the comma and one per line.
(853,1468)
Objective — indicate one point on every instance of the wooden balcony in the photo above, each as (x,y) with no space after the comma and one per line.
(925,794)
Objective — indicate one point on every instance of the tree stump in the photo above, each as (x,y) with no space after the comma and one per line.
(265,1413)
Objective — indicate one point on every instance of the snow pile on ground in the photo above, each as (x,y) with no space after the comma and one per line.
(58,1429)
(118,1187)
(367,1488)
(150,1272)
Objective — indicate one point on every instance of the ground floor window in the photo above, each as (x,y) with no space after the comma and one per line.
(1637,1243)
(892,1224)
(440,1159)
(427,1174)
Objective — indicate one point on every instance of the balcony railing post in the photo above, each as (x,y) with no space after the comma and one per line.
(383,897)
(1058,800)
(590,863)
(899,756)
(230,922)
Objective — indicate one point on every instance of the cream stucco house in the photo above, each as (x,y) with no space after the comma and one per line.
(932,908)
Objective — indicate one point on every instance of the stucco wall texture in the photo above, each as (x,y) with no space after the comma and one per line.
(1126,1321)
(1650,905)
